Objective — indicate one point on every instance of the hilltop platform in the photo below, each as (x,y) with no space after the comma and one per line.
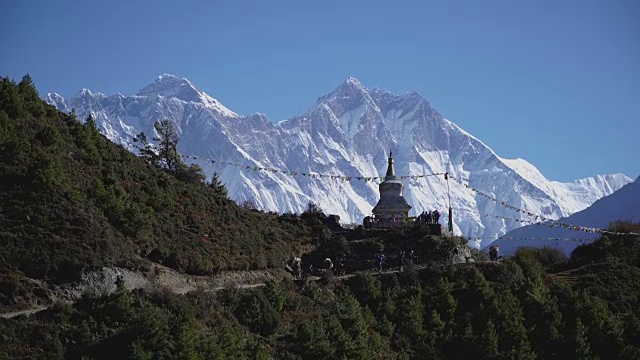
(372,223)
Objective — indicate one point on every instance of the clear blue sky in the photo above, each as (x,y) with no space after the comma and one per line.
(556,82)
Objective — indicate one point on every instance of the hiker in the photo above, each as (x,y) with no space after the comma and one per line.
(429,217)
(296,266)
(119,281)
(340,267)
(328,264)
(380,259)
(493,253)
(412,256)
(436,216)
(401,261)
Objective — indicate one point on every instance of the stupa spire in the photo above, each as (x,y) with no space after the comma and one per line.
(390,171)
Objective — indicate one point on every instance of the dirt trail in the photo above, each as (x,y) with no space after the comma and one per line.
(104,282)
(9,315)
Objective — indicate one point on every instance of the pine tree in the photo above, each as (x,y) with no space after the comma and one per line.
(167,136)
(92,131)
(91,122)
(10,100)
(30,97)
(146,150)
(488,342)
(168,156)
(217,185)
(192,174)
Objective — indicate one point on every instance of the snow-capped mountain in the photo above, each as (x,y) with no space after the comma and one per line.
(347,132)
(622,205)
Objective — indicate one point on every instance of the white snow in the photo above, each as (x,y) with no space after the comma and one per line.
(348,132)
(170,86)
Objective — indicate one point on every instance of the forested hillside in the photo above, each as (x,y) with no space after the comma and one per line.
(71,201)
(536,305)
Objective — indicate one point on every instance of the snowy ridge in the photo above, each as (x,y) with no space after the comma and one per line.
(346,132)
(169,86)
(623,205)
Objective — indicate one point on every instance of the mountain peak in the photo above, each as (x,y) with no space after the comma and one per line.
(352,83)
(165,76)
(351,89)
(171,86)
(168,85)
(54,98)
(58,101)
(84,92)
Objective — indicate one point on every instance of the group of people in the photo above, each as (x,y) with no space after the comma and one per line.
(297,269)
(338,270)
(430,217)
(404,258)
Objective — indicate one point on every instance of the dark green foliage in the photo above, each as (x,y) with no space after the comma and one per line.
(71,200)
(12,100)
(167,156)
(438,313)
(217,185)
(167,145)
(611,247)
(192,174)
(548,258)
(31,99)
(145,148)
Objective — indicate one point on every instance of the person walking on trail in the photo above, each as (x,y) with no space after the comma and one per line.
(340,267)
(401,261)
(380,259)
(296,266)
(328,264)
(429,217)
(493,253)
(436,216)
(412,257)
